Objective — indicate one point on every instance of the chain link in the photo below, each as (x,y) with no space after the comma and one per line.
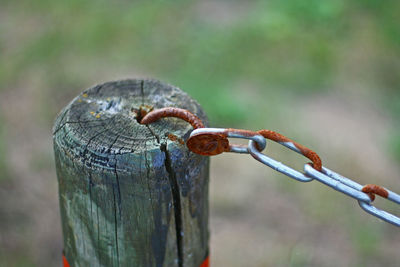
(213,141)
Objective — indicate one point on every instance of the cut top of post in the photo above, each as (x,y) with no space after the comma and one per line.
(104,119)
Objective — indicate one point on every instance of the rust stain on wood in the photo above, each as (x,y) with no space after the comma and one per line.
(175,138)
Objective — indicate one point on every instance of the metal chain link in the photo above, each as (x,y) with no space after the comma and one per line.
(213,141)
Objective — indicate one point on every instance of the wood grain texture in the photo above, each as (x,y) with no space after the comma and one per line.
(129,194)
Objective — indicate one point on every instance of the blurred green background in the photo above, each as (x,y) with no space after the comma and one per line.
(326,73)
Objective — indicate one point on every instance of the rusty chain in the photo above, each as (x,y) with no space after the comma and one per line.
(214,141)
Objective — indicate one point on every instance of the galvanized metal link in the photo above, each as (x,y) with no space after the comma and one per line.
(276,165)
(354,190)
(339,184)
(333,180)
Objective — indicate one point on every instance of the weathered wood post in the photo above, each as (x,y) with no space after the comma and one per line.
(130,194)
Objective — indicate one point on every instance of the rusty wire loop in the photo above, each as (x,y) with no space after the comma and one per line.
(214,141)
(183,114)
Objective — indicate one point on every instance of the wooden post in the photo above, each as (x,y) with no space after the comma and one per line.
(130,194)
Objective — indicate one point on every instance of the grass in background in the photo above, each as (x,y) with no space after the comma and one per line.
(232,57)
(274,44)
(3,151)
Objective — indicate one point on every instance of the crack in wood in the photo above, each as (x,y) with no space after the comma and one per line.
(142,91)
(116,227)
(176,198)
